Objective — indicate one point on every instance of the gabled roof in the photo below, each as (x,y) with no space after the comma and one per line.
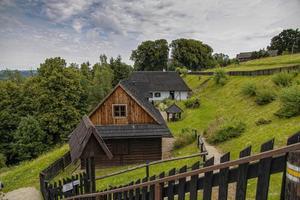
(80,137)
(244,55)
(135,91)
(174,109)
(134,131)
(159,81)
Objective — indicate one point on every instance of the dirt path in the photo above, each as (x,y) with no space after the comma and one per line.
(28,193)
(212,151)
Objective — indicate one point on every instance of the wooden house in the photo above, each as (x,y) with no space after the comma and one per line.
(161,85)
(125,129)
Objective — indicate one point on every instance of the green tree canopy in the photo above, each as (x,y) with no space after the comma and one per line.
(30,139)
(151,55)
(192,54)
(120,70)
(288,40)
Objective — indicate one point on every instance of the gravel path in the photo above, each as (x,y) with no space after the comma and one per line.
(27,193)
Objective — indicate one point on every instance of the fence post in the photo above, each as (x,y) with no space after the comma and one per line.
(147,169)
(292,186)
(90,170)
(157,191)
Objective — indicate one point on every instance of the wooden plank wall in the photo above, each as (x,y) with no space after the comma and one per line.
(139,151)
(135,113)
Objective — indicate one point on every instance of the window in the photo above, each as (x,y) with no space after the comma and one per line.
(157,94)
(119,110)
(151,94)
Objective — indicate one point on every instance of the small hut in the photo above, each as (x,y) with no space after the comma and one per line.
(173,112)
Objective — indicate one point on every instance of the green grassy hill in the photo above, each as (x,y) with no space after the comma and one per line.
(265,63)
(225,102)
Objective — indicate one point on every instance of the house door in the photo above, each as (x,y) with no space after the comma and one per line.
(172,95)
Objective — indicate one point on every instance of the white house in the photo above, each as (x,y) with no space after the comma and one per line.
(161,85)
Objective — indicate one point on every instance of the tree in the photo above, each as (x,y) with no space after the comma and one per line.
(101,83)
(61,101)
(222,59)
(151,55)
(192,54)
(2,161)
(286,41)
(120,70)
(30,139)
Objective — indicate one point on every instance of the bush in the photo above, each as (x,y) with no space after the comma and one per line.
(265,96)
(249,89)
(186,137)
(283,79)
(192,103)
(290,100)
(230,129)
(181,70)
(220,76)
(2,161)
(262,121)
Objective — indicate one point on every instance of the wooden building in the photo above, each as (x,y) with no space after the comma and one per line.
(130,127)
(173,112)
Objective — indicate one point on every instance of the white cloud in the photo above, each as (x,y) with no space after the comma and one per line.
(81,30)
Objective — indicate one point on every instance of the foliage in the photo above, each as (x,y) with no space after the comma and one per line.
(182,71)
(186,137)
(283,79)
(222,59)
(259,54)
(249,89)
(264,96)
(288,40)
(230,129)
(2,161)
(290,102)
(151,55)
(262,121)
(220,76)
(30,139)
(192,102)
(192,54)
(120,70)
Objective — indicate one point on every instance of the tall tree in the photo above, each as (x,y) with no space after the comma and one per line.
(192,54)
(288,40)
(120,70)
(29,139)
(222,59)
(151,55)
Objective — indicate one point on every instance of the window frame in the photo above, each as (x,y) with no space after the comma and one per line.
(113,110)
(158,95)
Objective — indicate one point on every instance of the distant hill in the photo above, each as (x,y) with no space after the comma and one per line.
(4,74)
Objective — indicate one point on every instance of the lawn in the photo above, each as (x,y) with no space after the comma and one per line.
(265,63)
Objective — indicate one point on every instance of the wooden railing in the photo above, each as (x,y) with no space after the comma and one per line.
(258,72)
(260,166)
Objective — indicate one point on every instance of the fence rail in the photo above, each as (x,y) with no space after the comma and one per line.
(260,166)
(259,72)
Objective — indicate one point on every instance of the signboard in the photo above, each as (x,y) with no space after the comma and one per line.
(69,186)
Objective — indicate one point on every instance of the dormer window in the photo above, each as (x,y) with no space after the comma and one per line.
(119,110)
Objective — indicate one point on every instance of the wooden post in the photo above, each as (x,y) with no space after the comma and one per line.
(157,191)
(292,185)
(147,170)
(91,175)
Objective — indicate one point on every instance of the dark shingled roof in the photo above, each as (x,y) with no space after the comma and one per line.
(159,81)
(136,91)
(174,109)
(133,131)
(79,138)
(244,55)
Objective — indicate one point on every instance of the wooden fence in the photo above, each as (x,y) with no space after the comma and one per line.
(259,72)
(52,170)
(201,181)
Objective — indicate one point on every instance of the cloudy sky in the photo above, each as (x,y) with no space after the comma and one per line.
(80,30)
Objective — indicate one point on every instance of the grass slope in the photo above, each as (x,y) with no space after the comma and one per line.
(27,173)
(265,63)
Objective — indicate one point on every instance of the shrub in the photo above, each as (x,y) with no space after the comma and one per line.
(181,70)
(220,76)
(290,100)
(230,129)
(262,121)
(2,161)
(186,137)
(265,96)
(249,89)
(283,79)
(192,103)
